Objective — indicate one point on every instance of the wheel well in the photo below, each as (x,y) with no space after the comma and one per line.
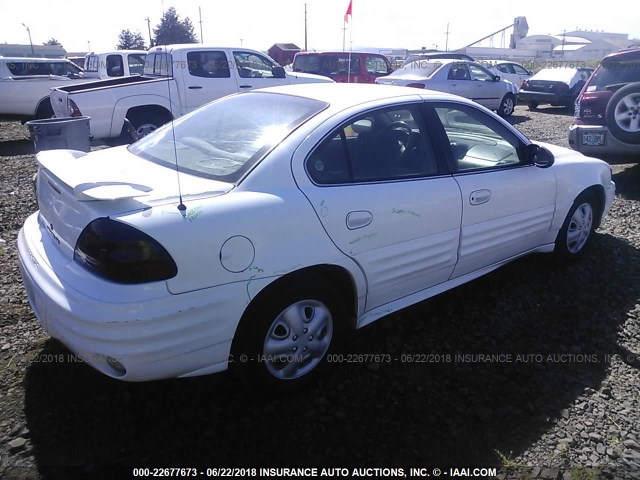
(44,109)
(597,192)
(337,277)
(155,111)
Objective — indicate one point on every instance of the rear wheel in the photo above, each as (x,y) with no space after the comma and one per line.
(508,105)
(283,341)
(146,122)
(532,105)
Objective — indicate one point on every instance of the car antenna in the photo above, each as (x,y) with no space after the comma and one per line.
(181,206)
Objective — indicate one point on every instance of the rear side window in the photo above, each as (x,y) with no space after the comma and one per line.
(377,65)
(115,68)
(91,63)
(328,65)
(159,64)
(208,64)
(387,144)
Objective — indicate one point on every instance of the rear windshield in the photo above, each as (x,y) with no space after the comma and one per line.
(421,67)
(223,140)
(611,75)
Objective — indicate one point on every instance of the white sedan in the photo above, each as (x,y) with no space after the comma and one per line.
(257,230)
(460,77)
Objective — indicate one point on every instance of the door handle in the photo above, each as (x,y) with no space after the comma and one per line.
(195,87)
(478,197)
(359,219)
(246,86)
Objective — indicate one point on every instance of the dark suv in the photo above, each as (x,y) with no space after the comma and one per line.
(607,113)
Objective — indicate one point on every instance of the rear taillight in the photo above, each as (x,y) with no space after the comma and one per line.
(73,109)
(123,254)
(416,85)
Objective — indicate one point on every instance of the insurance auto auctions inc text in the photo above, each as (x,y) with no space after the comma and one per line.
(379,472)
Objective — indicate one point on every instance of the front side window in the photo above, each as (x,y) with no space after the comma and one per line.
(208,64)
(520,70)
(477,141)
(224,139)
(459,72)
(377,65)
(251,65)
(387,144)
(136,63)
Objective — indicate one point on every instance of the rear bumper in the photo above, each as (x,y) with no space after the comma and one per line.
(160,336)
(611,144)
(528,96)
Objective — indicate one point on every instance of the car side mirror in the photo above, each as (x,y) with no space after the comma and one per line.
(278,72)
(539,156)
(496,78)
(390,70)
(529,72)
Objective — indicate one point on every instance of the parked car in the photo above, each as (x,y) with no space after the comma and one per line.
(558,87)
(119,63)
(349,67)
(25,84)
(460,77)
(177,79)
(512,71)
(607,112)
(301,211)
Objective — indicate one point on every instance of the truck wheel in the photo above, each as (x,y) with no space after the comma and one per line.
(145,122)
(623,114)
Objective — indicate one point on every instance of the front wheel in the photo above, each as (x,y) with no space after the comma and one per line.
(507,106)
(532,105)
(283,342)
(578,228)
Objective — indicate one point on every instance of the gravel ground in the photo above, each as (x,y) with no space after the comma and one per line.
(533,369)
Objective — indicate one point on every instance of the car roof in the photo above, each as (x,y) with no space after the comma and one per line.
(33,59)
(339,53)
(345,95)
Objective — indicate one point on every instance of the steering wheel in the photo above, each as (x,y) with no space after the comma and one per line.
(255,74)
(401,132)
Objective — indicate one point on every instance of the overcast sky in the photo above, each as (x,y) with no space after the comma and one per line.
(260,23)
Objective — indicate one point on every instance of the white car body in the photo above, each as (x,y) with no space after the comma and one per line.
(512,71)
(177,79)
(119,63)
(386,244)
(460,77)
(25,85)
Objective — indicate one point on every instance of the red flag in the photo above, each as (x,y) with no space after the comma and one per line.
(346,15)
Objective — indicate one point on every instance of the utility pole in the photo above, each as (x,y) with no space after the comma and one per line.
(305,27)
(89,45)
(30,42)
(149,28)
(446,43)
(200,13)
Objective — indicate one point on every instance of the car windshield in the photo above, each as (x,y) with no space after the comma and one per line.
(224,139)
(614,74)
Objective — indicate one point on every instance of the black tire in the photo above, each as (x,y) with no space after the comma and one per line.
(574,238)
(532,105)
(44,110)
(507,105)
(283,341)
(146,122)
(623,114)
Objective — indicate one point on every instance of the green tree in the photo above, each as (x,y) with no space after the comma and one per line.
(128,40)
(52,41)
(172,29)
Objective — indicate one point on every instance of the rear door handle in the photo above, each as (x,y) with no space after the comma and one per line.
(195,87)
(359,219)
(478,197)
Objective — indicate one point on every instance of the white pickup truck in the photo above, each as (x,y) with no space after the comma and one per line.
(177,79)
(25,85)
(119,63)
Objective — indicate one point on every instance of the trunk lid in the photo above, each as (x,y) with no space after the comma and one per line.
(75,188)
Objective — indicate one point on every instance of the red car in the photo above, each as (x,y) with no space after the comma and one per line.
(607,112)
(343,67)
